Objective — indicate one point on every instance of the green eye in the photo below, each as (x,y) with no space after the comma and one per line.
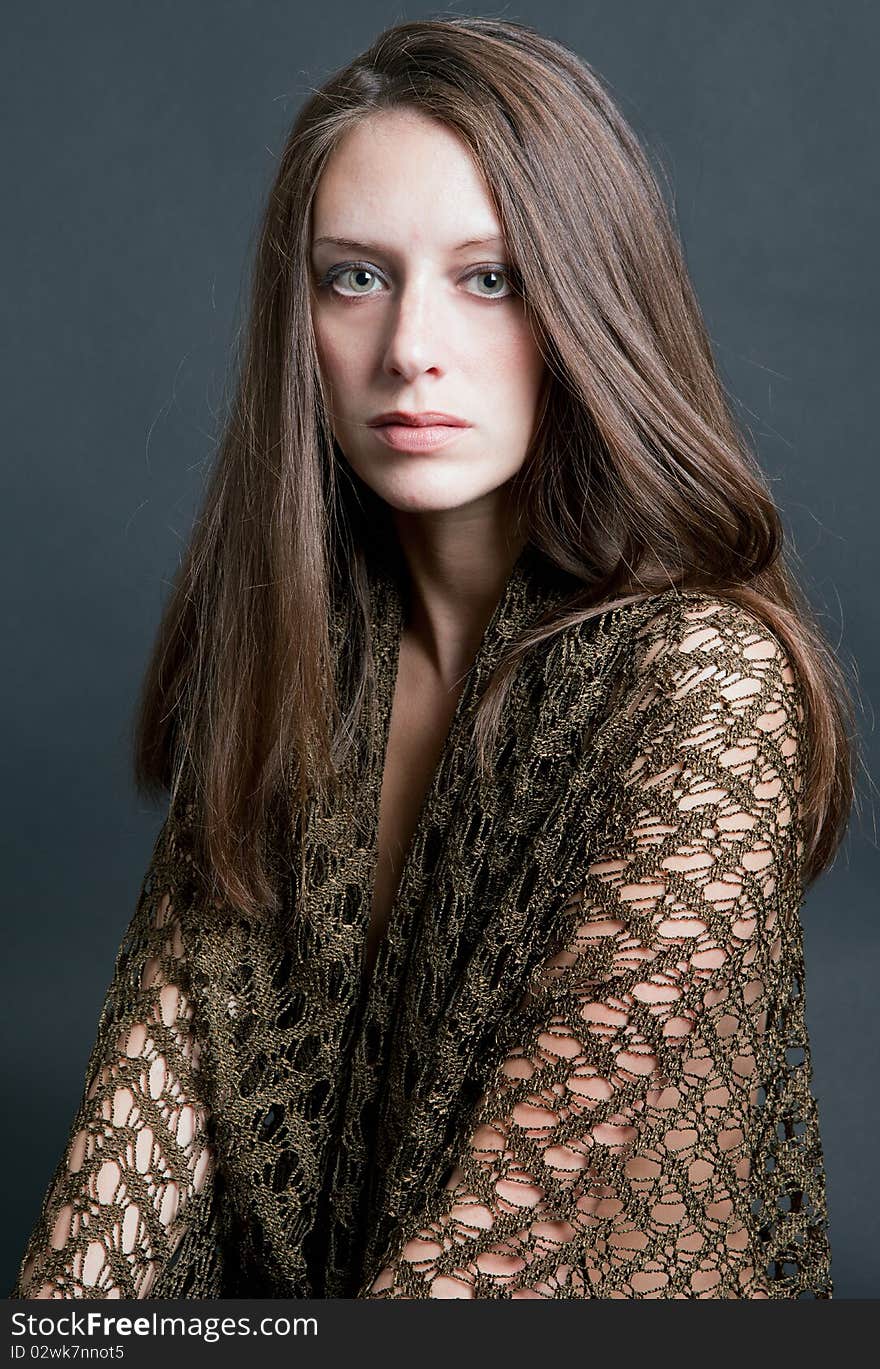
(484,273)
(354,272)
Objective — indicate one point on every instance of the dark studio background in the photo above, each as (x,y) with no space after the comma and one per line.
(139,142)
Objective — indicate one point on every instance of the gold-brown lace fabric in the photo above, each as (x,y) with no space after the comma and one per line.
(645,1135)
(646,1128)
(138,1153)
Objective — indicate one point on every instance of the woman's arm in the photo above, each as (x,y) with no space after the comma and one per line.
(138,1152)
(619,1150)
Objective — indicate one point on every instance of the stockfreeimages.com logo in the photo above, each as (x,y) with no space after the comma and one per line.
(205,1328)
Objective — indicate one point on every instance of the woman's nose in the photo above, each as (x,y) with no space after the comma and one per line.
(415,332)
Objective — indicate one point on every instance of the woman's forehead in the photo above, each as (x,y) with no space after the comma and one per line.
(391,176)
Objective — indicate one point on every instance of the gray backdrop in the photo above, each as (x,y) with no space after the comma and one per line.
(140,140)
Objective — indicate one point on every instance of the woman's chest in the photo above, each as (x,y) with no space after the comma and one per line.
(421,714)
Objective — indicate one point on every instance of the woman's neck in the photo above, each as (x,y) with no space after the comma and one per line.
(456,573)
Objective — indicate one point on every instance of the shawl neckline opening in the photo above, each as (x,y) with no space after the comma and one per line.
(530,587)
(378,1089)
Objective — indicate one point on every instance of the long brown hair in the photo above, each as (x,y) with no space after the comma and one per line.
(239,695)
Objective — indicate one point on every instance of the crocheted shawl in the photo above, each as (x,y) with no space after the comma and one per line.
(579,1067)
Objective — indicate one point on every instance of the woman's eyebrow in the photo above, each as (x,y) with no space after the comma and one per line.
(377,247)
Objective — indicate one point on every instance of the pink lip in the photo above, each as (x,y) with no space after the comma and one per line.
(428,419)
(407,438)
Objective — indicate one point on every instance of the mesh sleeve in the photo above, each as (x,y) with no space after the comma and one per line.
(137,1169)
(647,1117)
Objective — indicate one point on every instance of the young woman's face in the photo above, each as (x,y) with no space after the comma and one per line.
(417,318)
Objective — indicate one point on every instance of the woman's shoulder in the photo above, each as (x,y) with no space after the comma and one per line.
(682,630)
(683,655)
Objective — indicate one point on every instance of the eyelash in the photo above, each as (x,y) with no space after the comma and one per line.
(340,270)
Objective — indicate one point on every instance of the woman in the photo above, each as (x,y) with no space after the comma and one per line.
(501,749)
